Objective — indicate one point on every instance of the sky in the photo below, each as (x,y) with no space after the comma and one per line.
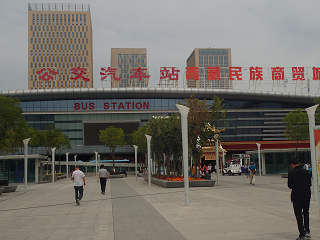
(265,33)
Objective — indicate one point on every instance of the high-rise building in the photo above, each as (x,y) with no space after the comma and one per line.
(210,57)
(59,46)
(131,64)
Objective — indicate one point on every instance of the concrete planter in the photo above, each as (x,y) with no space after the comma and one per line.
(1,190)
(180,184)
(49,178)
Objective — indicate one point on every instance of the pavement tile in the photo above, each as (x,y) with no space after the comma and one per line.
(132,210)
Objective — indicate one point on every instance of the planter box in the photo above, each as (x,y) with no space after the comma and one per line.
(284,175)
(13,188)
(1,190)
(49,178)
(180,184)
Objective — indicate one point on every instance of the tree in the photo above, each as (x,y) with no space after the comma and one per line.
(63,143)
(12,124)
(139,139)
(317,101)
(297,127)
(198,119)
(37,137)
(166,139)
(112,137)
(51,138)
(217,112)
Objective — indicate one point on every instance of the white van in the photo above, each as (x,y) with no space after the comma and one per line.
(232,168)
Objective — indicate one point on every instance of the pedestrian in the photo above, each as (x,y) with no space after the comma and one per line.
(247,170)
(103,175)
(193,171)
(204,168)
(210,168)
(306,166)
(299,181)
(78,181)
(252,170)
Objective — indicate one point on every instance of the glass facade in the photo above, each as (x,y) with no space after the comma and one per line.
(277,163)
(13,170)
(82,114)
(264,120)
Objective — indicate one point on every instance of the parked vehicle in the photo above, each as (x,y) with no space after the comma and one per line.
(231,168)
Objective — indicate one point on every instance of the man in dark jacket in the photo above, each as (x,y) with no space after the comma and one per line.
(299,181)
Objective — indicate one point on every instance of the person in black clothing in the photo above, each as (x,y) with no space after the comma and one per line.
(299,181)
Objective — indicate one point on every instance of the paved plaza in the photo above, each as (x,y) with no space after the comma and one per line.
(131,210)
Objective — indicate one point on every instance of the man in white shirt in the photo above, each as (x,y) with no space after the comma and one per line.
(103,175)
(78,181)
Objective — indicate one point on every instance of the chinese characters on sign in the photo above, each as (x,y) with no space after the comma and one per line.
(79,73)
(109,71)
(255,73)
(193,73)
(138,73)
(46,74)
(169,73)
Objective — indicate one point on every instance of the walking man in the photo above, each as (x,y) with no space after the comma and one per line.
(78,181)
(299,181)
(252,170)
(103,175)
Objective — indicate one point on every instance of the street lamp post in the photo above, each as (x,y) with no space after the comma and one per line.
(217,156)
(96,153)
(311,117)
(259,158)
(184,129)
(53,163)
(67,160)
(149,161)
(25,143)
(75,159)
(135,159)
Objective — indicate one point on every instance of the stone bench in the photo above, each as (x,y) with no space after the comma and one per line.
(7,189)
(116,176)
(284,175)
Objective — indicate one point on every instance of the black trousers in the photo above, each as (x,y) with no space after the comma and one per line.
(103,182)
(301,211)
(78,190)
